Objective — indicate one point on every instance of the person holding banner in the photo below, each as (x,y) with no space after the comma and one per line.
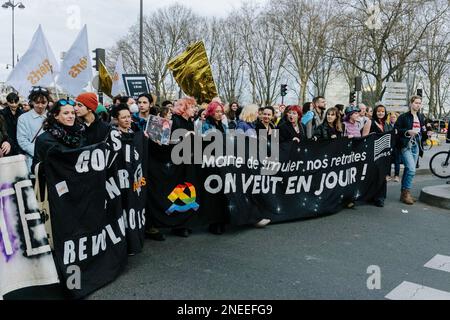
(266,122)
(29,125)
(11,114)
(183,115)
(61,131)
(5,146)
(331,128)
(96,130)
(292,129)
(379,125)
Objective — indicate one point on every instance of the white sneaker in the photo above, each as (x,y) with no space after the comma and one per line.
(262,223)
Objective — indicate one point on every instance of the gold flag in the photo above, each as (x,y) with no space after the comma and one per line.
(105,80)
(192,72)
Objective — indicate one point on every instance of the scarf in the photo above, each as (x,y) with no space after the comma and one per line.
(69,136)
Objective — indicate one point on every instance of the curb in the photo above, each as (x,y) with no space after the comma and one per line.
(436,196)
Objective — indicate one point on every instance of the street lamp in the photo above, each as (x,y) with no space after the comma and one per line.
(11,4)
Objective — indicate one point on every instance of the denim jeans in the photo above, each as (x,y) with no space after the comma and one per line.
(396,161)
(410,155)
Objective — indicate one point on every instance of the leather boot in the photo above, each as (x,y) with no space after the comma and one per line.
(406,197)
(409,195)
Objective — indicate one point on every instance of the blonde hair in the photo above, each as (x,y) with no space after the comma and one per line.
(249,113)
(388,119)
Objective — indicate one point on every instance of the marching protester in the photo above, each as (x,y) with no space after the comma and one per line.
(145,103)
(340,107)
(165,112)
(319,105)
(378,125)
(266,122)
(370,113)
(29,125)
(352,126)
(217,221)
(61,131)
(390,126)
(308,119)
(213,121)
(232,113)
(363,119)
(5,146)
(86,107)
(247,120)
(411,133)
(332,127)
(292,129)
(11,114)
(279,110)
(184,111)
(122,116)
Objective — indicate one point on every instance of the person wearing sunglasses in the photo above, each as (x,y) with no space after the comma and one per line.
(29,125)
(86,107)
(11,114)
(61,131)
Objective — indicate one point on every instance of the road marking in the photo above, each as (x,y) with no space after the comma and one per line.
(439,262)
(412,291)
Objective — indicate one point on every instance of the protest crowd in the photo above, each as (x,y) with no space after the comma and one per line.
(35,127)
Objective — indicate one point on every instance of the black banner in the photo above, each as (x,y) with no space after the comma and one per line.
(97,201)
(310,179)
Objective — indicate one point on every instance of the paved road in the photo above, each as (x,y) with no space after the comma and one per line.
(323,258)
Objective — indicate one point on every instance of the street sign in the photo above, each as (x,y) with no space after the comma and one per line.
(395,97)
(136,84)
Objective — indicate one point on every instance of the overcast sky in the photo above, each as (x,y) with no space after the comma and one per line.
(107,21)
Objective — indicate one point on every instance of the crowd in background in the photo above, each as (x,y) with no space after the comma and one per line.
(33,128)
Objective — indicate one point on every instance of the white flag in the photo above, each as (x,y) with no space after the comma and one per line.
(118,87)
(38,66)
(76,69)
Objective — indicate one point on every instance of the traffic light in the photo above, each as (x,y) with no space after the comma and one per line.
(283,90)
(100,55)
(352,97)
(420,92)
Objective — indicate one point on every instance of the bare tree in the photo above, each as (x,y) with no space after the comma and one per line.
(265,54)
(304,26)
(391,41)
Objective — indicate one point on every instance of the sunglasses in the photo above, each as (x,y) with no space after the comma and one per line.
(65,102)
(39,89)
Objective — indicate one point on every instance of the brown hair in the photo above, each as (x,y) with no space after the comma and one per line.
(338,121)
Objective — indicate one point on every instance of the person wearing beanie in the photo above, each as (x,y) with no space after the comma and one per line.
(86,107)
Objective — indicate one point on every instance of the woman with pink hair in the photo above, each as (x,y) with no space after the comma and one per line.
(214,116)
(184,112)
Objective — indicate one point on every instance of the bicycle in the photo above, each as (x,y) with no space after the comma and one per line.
(440,164)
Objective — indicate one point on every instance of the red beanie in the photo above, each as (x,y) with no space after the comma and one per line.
(89,99)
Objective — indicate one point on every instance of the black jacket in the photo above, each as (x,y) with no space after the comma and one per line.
(3,131)
(404,123)
(178,122)
(324,132)
(260,126)
(11,128)
(287,132)
(97,132)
